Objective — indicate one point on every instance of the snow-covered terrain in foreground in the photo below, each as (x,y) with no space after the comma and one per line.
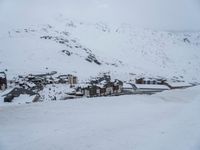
(167,121)
(148,38)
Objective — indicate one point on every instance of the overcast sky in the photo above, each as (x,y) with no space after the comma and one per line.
(156,14)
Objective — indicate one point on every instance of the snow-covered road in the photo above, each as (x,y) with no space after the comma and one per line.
(167,121)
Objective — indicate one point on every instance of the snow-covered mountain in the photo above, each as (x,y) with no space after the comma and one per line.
(35,39)
(126,38)
(87,49)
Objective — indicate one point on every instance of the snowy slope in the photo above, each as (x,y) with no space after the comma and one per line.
(166,121)
(126,38)
(121,50)
(115,34)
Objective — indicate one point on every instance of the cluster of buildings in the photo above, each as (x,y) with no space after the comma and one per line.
(157,82)
(99,86)
(102,86)
(32,84)
(38,81)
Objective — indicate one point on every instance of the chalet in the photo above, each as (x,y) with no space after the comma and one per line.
(103,91)
(3,81)
(177,85)
(91,91)
(109,88)
(118,86)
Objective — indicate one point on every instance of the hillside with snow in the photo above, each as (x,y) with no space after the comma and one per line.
(124,38)
(86,49)
(99,74)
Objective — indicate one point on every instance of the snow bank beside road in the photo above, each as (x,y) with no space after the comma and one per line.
(180,95)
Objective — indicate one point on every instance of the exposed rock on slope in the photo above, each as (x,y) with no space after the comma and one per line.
(86,49)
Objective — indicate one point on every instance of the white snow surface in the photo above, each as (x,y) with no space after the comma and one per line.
(152,86)
(152,38)
(167,121)
(179,84)
(121,49)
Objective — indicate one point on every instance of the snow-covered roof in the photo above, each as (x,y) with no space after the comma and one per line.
(30,84)
(83,85)
(151,86)
(78,92)
(103,82)
(2,75)
(100,85)
(178,84)
(127,85)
